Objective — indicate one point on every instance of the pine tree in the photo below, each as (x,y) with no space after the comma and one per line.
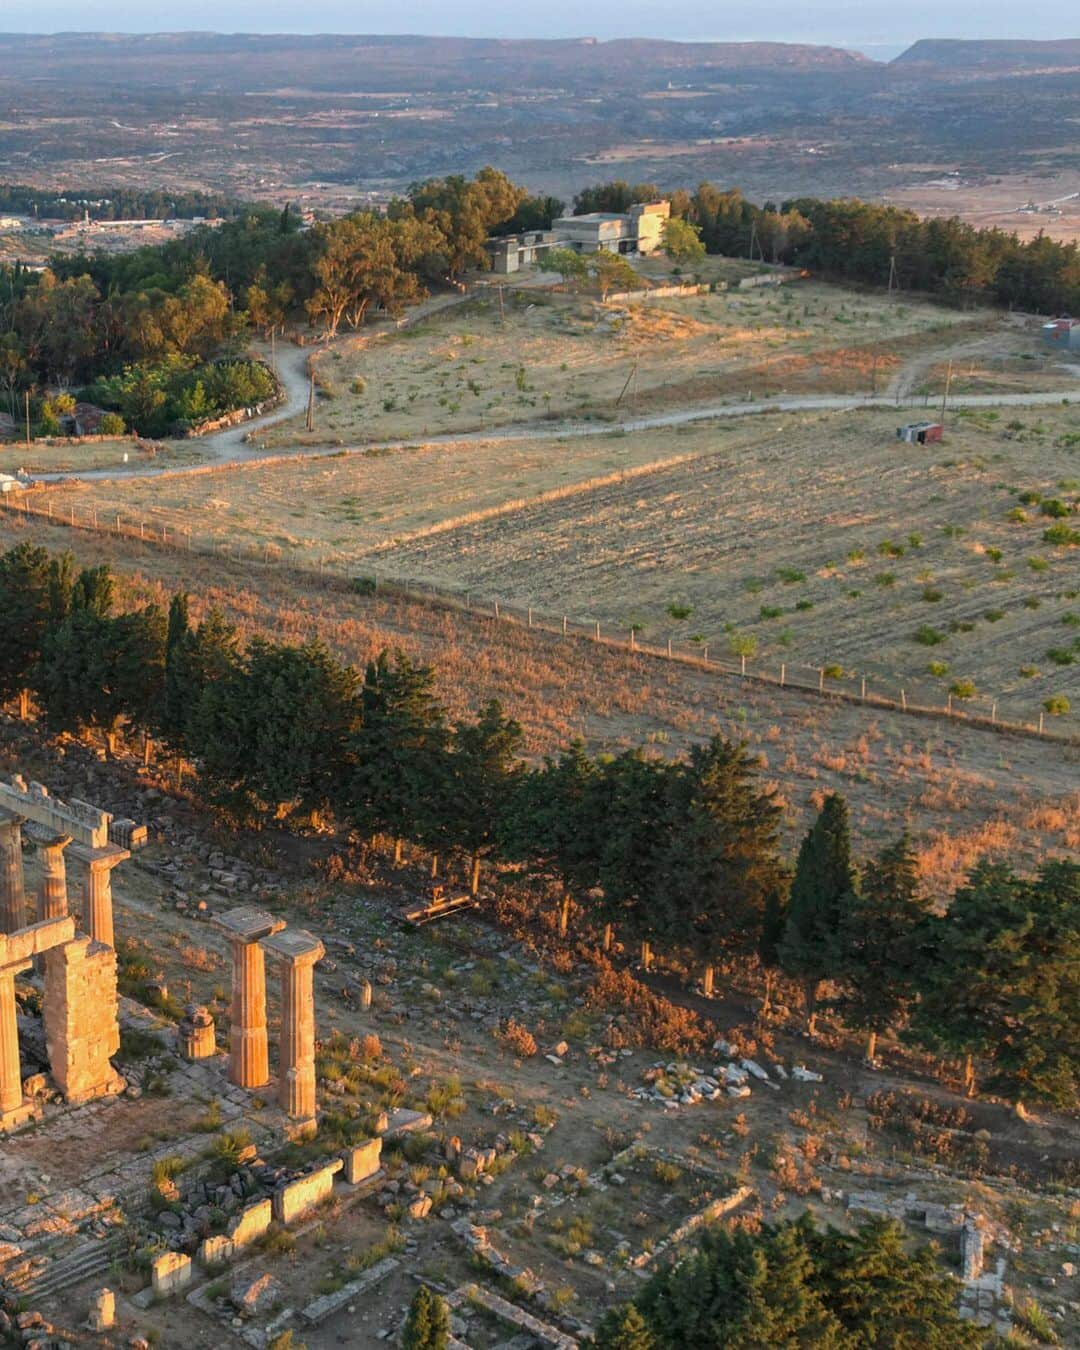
(482,766)
(721,863)
(26,614)
(1000,981)
(623,1329)
(824,877)
(547,824)
(877,942)
(399,751)
(276,732)
(427,1326)
(630,798)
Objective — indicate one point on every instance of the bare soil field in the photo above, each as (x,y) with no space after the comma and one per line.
(541,354)
(816,537)
(964,791)
(1026,204)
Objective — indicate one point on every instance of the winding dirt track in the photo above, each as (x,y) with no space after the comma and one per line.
(234,445)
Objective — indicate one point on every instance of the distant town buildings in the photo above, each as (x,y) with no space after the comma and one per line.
(637,231)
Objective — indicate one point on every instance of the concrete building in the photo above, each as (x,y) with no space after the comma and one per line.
(637,232)
(1062,334)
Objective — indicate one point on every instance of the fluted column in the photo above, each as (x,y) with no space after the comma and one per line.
(53,896)
(249,1059)
(97,909)
(297,951)
(11,1094)
(12,894)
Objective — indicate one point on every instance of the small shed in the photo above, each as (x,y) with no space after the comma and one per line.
(920,433)
(1062,334)
(9,484)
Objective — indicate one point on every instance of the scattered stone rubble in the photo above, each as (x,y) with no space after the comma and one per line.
(677,1083)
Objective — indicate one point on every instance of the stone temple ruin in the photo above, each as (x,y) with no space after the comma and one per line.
(74,952)
(77,960)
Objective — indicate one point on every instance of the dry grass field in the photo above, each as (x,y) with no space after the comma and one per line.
(543,354)
(43,457)
(817,536)
(965,792)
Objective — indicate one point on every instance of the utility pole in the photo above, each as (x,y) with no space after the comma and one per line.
(311,404)
(626,386)
(28,419)
(894,280)
(945,395)
(273,350)
(502,307)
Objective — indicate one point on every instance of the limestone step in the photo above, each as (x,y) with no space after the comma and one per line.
(93,1258)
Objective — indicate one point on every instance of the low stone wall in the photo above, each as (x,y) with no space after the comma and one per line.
(324,1307)
(294,1199)
(170,1272)
(244,1229)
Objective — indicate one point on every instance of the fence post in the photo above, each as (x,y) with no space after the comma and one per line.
(1040,724)
(705,655)
(993,711)
(631,637)
(669,648)
(903,700)
(530,616)
(948,705)
(564,625)
(598,630)
(496,609)
(821,679)
(783,672)
(742,660)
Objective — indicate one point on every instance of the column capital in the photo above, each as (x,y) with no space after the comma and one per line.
(294,946)
(248,924)
(42,836)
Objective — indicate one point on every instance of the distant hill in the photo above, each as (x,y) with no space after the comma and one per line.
(992,56)
(350,62)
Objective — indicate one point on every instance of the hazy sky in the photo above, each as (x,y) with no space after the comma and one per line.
(841,22)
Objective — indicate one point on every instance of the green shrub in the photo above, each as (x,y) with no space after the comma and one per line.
(962,689)
(676,611)
(1055,508)
(364,585)
(885,579)
(1061,534)
(1057,705)
(928,637)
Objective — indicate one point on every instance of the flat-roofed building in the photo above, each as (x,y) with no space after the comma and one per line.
(638,231)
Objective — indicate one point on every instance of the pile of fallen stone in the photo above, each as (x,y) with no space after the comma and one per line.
(678,1083)
(201,1208)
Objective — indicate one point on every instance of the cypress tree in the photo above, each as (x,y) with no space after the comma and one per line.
(824,878)
(427,1326)
(878,954)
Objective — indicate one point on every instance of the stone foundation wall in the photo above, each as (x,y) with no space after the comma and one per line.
(82,1028)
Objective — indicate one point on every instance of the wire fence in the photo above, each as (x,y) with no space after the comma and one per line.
(828,681)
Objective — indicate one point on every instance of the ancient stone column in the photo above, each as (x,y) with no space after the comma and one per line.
(11,1094)
(249,1059)
(97,906)
(12,895)
(53,896)
(297,951)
